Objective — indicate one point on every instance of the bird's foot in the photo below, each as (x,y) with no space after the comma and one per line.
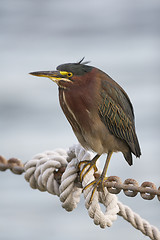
(97,184)
(91,164)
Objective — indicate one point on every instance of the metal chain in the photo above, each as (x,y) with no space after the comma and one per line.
(131,188)
(14,164)
(114,184)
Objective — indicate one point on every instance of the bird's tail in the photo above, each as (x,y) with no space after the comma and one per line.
(133,148)
(128,157)
(137,150)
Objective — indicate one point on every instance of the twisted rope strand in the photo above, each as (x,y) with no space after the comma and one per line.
(138,222)
(57,172)
(113,184)
(94,209)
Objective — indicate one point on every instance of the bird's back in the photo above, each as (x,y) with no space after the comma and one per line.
(116,112)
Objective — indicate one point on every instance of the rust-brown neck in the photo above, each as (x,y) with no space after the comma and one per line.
(81,98)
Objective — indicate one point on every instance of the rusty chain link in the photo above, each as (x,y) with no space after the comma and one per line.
(14,164)
(131,188)
(114,184)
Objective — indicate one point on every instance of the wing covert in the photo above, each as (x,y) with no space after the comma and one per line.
(117,121)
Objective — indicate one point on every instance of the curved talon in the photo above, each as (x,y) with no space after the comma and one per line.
(88,185)
(82,162)
(101,179)
(87,163)
(91,164)
(82,174)
(95,184)
(94,189)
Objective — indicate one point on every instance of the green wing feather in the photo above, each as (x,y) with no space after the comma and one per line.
(117,114)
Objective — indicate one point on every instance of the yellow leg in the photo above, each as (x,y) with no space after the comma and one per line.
(100,180)
(91,164)
(106,165)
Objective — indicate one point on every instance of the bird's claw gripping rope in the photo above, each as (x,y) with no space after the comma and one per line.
(57,171)
(87,163)
(96,184)
(114,184)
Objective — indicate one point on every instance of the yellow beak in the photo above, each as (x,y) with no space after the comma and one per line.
(55,76)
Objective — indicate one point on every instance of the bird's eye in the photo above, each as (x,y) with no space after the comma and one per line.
(69,74)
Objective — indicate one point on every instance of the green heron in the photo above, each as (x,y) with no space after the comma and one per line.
(99,111)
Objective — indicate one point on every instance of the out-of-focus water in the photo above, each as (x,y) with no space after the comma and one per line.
(120,37)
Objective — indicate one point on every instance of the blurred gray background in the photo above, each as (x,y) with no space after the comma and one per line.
(120,37)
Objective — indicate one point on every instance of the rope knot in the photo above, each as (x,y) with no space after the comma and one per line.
(43,172)
(58,173)
(46,173)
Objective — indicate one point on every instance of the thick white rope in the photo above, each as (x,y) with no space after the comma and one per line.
(138,222)
(108,200)
(40,173)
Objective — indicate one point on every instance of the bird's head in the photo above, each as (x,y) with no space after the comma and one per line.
(68,74)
